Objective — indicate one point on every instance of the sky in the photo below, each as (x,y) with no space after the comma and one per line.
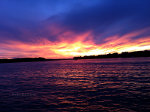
(68,28)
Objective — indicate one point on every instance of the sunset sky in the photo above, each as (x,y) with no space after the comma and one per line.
(68,28)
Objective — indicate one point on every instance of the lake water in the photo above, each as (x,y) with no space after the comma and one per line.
(105,85)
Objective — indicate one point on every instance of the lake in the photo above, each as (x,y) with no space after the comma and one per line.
(105,85)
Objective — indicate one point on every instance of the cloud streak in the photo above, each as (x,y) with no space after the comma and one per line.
(82,45)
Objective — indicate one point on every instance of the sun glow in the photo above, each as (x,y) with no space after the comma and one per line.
(78,45)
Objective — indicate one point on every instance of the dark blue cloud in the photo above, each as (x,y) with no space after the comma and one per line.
(26,19)
(107,17)
(20,16)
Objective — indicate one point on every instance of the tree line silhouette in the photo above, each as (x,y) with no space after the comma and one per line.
(21,60)
(27,60)
(145,53)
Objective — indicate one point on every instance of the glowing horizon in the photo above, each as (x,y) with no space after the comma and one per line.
(78,46)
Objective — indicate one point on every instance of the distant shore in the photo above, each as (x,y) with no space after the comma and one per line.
(145,53)
(27,60)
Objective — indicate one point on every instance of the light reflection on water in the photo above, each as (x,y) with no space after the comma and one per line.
(76,85)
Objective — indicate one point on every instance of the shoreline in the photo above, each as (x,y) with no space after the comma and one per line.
(13,61)
(134,54)
(28,60)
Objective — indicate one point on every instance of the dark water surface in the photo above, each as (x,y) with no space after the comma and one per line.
(105,85)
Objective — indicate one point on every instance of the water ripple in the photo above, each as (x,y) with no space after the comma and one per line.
(104,85)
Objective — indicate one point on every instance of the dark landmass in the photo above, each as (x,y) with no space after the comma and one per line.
(27,60)
(145,53)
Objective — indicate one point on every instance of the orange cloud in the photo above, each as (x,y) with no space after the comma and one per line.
(70,44)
